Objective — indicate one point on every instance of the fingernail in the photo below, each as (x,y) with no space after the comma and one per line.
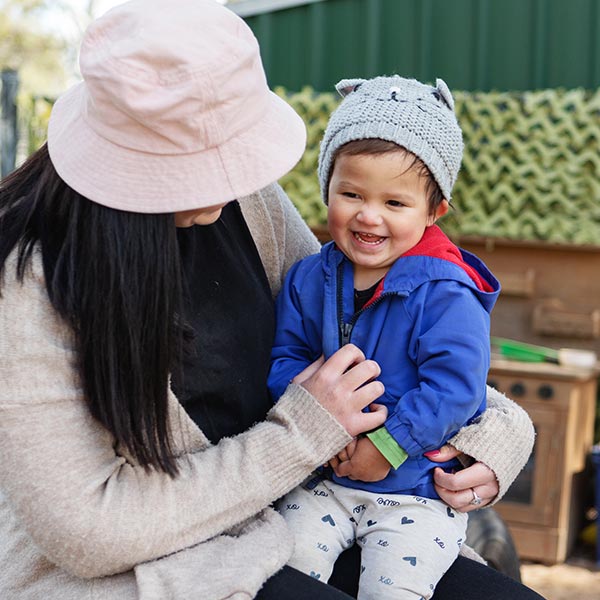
(432,453)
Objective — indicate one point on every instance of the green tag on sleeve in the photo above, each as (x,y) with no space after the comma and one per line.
(388,446)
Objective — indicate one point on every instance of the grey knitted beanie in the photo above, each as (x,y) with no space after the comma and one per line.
(413,115)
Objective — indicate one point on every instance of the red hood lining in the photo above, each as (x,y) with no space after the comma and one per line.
(436,244)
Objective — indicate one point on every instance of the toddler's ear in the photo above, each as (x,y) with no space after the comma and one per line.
(440,211)
(445,93)
(346,86)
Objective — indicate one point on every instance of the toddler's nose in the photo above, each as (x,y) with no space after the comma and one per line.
(369,216)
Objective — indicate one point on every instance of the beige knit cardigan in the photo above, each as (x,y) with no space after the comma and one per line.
(79,519)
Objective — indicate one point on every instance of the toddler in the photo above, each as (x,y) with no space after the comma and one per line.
(394,285)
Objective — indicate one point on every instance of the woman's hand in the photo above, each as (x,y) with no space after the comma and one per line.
(344,385)
(461,490)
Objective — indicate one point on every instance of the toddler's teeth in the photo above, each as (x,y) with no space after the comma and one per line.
(368,238)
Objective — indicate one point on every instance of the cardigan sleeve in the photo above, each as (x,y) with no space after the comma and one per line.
(90,509)
(502,438)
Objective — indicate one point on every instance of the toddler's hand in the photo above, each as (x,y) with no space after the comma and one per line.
(342,456)
(366,463)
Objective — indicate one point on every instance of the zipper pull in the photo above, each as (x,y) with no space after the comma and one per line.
(346,329)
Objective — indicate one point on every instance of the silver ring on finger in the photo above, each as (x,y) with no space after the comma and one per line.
(476,501)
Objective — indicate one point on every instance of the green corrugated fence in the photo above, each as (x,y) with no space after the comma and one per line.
(472,44)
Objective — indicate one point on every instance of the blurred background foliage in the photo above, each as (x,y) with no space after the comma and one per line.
(39,41)
(530,171)
(37,54)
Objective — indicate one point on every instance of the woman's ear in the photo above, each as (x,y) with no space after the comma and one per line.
(440,211)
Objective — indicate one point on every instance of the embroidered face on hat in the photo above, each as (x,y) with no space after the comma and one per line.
(416,116)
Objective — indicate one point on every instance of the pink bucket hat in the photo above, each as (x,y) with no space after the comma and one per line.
(173,113)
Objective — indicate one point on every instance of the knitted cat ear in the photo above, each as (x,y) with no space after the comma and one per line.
(346,86)
(445,93)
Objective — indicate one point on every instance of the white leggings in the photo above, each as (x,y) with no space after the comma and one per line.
(407,542)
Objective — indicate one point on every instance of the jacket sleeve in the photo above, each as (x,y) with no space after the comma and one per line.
(87,507)
(450,346)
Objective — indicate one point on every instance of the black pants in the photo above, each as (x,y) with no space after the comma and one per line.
(465,580)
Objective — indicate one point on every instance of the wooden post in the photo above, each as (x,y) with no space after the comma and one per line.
(9,80)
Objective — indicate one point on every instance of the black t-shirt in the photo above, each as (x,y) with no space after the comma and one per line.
(222,383)
(361,297)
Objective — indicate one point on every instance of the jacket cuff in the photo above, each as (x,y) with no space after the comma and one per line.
(388,446)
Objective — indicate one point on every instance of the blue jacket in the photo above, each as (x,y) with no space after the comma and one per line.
(427,326)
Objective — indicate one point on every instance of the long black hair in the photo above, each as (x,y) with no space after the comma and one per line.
(115,278)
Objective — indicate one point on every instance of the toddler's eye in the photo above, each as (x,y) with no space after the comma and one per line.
(349,194)
(394,203)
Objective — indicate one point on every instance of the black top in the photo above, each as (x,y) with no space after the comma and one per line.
(361,297)
(230,308)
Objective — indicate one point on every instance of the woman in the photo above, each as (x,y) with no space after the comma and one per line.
(111,485)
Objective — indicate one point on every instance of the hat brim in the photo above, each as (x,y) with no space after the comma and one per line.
(143,182)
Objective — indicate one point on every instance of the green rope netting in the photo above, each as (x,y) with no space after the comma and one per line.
(531,168)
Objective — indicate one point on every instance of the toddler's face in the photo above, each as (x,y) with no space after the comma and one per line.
(378,209)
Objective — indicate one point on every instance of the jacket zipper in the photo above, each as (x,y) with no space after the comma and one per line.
(345,332)
(346,328)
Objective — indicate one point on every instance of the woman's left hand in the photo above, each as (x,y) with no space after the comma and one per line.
(466,490)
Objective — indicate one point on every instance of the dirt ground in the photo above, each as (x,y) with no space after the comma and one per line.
(577,578)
